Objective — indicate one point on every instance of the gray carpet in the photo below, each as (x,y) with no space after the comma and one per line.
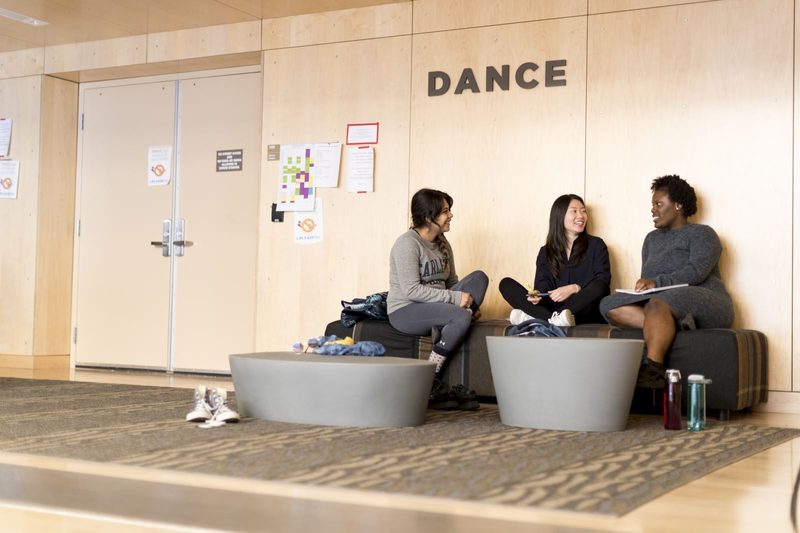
(462,455)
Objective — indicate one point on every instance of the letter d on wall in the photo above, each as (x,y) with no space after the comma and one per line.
(433,77)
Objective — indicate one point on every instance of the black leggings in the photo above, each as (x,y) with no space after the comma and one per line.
(584,304)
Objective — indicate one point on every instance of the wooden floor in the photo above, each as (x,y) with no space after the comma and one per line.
(49,494)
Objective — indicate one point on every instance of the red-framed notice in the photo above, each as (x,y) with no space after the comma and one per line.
(364,133)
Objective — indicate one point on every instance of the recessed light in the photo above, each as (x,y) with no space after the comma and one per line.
(25,19)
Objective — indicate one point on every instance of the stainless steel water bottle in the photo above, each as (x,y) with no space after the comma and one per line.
(697,401)
(672,400)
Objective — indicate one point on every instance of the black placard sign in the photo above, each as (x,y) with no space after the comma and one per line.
(229,160)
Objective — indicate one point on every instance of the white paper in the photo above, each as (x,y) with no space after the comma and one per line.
(295,179)
(654,289)
(360,169)
(5,136)
(9,179)
(308,225)
(325,172)
(159,165)
(362,133)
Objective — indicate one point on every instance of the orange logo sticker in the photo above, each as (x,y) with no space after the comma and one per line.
(307,225)
(7,183)
(158,170)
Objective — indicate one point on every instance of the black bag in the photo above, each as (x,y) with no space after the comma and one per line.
(373,306)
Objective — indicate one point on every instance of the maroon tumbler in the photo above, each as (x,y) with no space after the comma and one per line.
(672,400)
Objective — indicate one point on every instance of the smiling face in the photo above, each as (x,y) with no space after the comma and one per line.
(443,218)
(666,213)
(576,218)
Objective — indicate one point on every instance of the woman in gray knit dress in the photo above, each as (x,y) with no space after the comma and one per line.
(676,252)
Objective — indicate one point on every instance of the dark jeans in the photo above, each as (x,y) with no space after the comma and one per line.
(420,318)
(584,304)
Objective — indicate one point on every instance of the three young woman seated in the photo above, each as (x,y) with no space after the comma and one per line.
(572,279)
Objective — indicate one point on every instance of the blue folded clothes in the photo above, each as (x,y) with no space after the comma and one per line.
(535,327)
(367,348)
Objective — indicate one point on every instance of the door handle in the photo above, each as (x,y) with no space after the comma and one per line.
(166,230)
(180,242)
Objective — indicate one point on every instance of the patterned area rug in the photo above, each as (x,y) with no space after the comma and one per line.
(462,455)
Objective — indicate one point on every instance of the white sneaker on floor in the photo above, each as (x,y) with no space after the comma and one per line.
(563,319)
(201,411)
(217,398)
(518,316)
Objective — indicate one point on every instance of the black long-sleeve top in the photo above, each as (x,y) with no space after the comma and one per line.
(594,266)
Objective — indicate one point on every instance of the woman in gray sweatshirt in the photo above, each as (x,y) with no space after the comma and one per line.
(676,252)
(424,289)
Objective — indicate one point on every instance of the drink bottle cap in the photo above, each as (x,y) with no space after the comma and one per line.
(698,378)
(673,375)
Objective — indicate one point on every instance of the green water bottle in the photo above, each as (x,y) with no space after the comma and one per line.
(697,401)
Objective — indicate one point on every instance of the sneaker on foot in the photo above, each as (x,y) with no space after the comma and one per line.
(217,399)
(441,398)
(201,411)
(466,398)
(518,316)
(563,319)
(651,375)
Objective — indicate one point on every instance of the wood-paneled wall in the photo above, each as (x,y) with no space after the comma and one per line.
(704,89)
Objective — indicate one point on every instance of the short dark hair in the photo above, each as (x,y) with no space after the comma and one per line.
(426,204)
(679,191)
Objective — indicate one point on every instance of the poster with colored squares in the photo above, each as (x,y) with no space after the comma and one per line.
(295,184)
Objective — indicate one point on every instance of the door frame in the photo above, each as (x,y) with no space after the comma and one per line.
(173,77)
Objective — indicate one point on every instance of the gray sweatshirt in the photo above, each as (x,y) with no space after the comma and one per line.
(420,273)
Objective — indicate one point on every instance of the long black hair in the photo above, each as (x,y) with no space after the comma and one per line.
(556,245)
(426,204)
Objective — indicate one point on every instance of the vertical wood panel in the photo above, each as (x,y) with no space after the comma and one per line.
(20,100)
(56,215)
(310,95)
(796,218)
(437,15)
(333,26)
(704,91)
(504,156)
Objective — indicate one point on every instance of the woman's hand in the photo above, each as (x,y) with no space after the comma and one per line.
(534,298)
(562,293)
(643,284)
(466,300)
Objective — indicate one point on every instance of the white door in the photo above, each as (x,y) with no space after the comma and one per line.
(133,306)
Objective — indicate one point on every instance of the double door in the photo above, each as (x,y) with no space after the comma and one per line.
(166,275)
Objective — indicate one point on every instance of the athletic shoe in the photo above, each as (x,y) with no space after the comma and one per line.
(651,375)
(440,397)
(217,398)
(201,411)
(465,397)
(563,319)
(518,316)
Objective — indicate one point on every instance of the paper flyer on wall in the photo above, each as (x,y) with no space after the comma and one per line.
(9,179)
(295,180)
(327,158)
(360,169)
(308,225)
(5,136)
(159,165)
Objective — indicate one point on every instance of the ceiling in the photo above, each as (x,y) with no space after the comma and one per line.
(72,21)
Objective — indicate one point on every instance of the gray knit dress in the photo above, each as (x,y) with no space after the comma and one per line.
(685,255)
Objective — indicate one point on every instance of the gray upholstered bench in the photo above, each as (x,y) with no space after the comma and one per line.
(332,390)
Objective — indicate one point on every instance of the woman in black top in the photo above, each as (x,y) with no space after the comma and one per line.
(572,271)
